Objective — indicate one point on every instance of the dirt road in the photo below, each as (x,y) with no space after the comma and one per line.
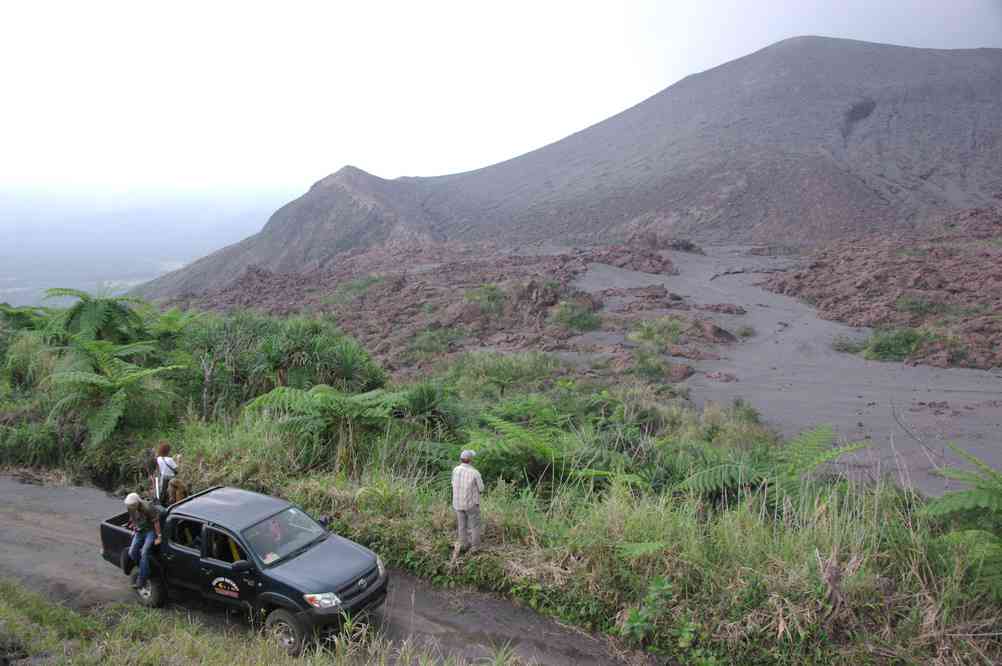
(790,373)
(49,539)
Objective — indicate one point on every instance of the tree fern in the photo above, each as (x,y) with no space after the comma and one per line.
(722,478)
(782,472)
(28,317)
(977,512)
(805,454)
(103,422)
(97,318)
(100,388)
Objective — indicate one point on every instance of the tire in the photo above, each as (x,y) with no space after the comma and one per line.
(153,594)
(288,632)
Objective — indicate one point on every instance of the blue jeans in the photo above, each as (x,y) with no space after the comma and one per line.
(143,539)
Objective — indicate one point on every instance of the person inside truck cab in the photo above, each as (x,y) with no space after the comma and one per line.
(266,539)
(144,519)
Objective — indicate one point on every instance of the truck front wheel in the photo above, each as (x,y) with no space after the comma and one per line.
(285,629)
(151,595)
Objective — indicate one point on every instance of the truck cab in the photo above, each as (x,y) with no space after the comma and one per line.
(258,552)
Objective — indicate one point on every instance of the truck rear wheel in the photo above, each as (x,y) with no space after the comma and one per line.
(151,595)
(286,630)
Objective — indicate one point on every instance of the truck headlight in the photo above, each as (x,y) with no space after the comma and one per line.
(382,567)
(323,600)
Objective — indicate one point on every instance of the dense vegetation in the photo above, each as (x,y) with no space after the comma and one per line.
(616,506)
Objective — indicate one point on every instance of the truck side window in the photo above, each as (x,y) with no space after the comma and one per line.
(224,548)
(188,533)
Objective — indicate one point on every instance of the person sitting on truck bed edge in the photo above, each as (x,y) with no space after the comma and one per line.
(145,521)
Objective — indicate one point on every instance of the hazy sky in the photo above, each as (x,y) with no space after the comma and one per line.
(106,96)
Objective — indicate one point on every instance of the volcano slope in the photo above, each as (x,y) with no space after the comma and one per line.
(809,139)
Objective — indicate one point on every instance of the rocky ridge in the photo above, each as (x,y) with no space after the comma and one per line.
(413,303)
(947,281)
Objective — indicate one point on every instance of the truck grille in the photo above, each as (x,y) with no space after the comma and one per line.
(354,589)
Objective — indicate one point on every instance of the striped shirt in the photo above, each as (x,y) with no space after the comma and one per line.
(466,487)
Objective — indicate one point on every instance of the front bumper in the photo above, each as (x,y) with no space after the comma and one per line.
(367,601)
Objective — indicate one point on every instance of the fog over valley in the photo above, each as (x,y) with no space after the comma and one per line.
(113,243)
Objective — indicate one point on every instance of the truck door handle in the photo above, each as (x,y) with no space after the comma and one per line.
(206,571)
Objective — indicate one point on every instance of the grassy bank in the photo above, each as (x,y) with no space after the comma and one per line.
(38,631)
(697,535)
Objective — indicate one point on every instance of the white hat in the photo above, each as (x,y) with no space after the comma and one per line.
(467,455)
(132,499)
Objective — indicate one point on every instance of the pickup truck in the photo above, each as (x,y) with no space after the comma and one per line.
(256,552)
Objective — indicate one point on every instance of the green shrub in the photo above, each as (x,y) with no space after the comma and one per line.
(895,345)
(919,306)
(489,297)
(848,345)
(346,292)
(30,360)
(434,341)
(491,374)
(576,317)
(660,333)
(649,365)
(31,444)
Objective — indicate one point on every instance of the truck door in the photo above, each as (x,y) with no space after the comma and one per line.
(220,581)
(183,552)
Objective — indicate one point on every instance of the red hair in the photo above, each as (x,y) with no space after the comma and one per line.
(163,449)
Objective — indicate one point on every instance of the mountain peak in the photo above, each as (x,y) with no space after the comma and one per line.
(810,139)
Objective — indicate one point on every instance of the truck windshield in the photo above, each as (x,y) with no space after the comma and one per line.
(282,535)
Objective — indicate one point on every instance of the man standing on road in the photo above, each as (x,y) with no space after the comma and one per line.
(145,521)
(466,488)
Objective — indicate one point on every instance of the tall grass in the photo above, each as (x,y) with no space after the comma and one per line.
(35,629)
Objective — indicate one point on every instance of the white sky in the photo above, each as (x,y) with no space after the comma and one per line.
(106,96)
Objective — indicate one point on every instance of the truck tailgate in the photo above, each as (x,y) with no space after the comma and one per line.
(115,537)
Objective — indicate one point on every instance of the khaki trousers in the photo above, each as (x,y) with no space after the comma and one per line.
(468,523)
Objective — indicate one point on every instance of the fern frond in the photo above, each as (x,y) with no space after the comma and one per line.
(92,317)
(65,404)
(989,475)
(285,399)
(85,378)
(964,500)
(103,422)
(803,449)
(720,478)
(62,292)
(135,376)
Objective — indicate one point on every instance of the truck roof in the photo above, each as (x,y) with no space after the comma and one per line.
(231,508)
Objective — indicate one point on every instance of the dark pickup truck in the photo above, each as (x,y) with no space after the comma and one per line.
(256,552)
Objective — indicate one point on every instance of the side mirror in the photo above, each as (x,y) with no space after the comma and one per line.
(242,566)
(325,522)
